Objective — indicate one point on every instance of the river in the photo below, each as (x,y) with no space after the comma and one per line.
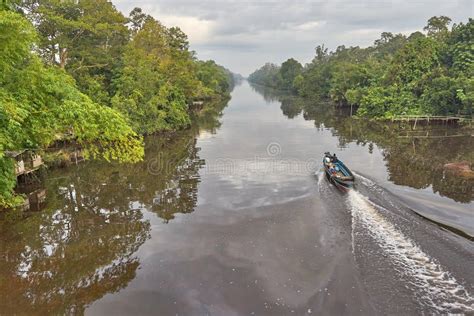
(235,217)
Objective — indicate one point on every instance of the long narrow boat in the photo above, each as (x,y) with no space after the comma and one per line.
(337,172)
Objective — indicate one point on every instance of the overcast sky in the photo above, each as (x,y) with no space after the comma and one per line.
(243,35)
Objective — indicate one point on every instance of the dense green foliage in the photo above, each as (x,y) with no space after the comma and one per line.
(134,64)
(274,76)
(398,75)
(38,103)
(268,75)
(160,77)
(81,72)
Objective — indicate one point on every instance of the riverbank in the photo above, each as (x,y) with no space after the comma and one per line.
(128,76)
(274,93)
(67,154)
(420,74)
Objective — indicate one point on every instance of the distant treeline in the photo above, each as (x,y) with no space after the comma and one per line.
(81,71)
(424,73)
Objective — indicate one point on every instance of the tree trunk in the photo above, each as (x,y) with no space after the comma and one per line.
(63,57)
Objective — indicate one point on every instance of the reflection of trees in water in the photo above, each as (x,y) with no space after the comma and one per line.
(166,182)
(62,259)
(414,162)
(269,94)
(291,106)
(209,118)
(176,189)
(82,246)
(419,163)
(172,184)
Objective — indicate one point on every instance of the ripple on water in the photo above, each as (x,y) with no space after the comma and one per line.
(433,285)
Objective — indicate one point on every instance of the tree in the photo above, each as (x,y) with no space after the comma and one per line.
(348,76)
(149,91)
(37,103)
(385,38)
(389,44)
(321,53)
(289,70)
(84,37)
(415,35)
(415,59)
(437,26)
(214,77)
(316,75)
(267,75)
(137,19)
(178,40)
(461,48)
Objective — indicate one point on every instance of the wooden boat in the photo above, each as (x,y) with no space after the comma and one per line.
(337,172)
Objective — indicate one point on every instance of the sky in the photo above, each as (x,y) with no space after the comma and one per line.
(243,35)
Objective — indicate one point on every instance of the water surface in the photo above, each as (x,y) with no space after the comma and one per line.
(235,217)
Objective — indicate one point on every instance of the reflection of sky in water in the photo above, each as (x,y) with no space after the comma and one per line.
(258,236)
(258,230)
(229,161)
(299,142)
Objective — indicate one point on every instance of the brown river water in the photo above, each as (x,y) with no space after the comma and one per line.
(235,217)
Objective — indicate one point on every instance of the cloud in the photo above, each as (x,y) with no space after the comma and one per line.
(309,26)
(199,31)
(244,34)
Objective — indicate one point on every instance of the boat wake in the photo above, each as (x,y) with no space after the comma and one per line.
(433,286)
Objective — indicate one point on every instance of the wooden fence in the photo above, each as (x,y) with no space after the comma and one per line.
(432,119)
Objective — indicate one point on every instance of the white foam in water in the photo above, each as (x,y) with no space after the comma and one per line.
(365,180)
(435,286)
(320,176)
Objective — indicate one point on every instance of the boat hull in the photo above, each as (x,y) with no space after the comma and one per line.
(344,182)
